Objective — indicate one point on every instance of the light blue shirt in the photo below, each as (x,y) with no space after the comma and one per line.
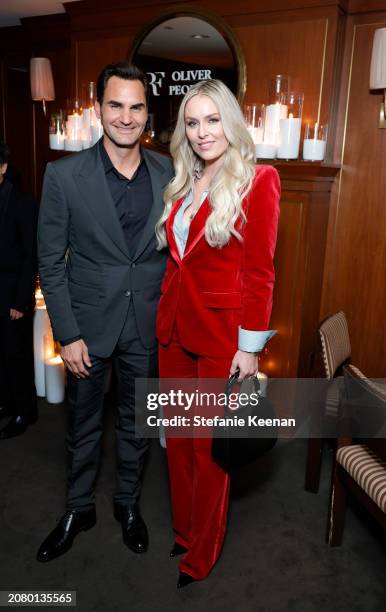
(249,341)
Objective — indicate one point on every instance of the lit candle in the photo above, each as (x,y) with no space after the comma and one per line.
(86,131)
(273,114)
(314,149)
(74,126)
(265,150)
(56,141)
(256,134)
(289,138)
(96,132)
(41,328)
(263,380)
(54,379)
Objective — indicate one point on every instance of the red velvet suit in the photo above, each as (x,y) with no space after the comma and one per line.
(205,297)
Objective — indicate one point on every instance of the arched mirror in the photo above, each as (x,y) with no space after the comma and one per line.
(176,52)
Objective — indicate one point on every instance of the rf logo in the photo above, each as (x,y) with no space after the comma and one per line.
(155,82)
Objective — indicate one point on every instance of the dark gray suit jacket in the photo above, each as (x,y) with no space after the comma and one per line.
(86,273)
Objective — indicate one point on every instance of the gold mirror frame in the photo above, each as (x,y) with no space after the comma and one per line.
(217,22)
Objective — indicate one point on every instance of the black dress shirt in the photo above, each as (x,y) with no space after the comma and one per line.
(133,198)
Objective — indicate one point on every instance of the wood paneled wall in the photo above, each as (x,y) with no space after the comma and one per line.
(355,269)
(325,45)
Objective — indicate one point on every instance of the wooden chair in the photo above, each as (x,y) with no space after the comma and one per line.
(333,351)
(360,467)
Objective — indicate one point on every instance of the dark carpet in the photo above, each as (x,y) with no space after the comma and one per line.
(274,557)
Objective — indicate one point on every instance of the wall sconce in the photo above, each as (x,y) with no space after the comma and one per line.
(378,70)
(42,83)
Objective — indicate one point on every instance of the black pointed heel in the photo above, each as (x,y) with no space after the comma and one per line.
(184,580)
(177,549)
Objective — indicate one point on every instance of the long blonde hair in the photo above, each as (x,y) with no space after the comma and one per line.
(231,183)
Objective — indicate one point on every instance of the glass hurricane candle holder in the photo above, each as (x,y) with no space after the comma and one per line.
(275,110)
(74,127)
(254,114)
(89,117)
(254,118)
(278,87)
(56,132)
(315,140)
(290,127)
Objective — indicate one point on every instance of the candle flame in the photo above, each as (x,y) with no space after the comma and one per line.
(55,360)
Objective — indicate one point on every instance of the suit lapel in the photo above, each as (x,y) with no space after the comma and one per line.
(197,227)
(170,233)
(196,230)
(159,179)
(92,184)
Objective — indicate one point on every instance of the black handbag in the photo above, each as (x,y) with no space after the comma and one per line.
(234,450)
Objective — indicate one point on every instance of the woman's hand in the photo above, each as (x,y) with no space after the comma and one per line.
(247,363)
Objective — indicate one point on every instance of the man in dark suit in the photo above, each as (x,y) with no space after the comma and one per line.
(18,266)
(101,275)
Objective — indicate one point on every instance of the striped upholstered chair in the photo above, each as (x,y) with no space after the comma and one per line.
(333,351)
(360,467)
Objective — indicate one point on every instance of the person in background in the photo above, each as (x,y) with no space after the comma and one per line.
(18,268)
(220,223)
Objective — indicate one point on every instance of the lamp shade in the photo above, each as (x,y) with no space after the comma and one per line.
(42,83)
(378,60)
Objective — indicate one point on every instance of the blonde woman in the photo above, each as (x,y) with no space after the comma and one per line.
(220,224)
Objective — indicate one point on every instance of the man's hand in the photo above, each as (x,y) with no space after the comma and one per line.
(247,363)
(76,358)
(15,314)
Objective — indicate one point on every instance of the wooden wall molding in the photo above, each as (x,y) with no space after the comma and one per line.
(245,7)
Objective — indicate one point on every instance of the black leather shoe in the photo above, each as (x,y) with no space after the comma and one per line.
(177,549)
(16,426)
(61,538)
(134,530)
(184,580)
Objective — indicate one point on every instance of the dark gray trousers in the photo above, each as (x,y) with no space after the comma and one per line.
(85,399)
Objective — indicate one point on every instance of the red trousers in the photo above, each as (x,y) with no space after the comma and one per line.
(199,487)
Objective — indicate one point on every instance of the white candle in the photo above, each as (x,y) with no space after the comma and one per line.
(75,122)
(273,114)
(86,131)
(263,380)
(57,141)
(86,118)
(73,145)
(314,149)
(74,127)
(264,150)
(256,134)
(289,138)
(54,379)
(96,132)
(93,118)
(41,328)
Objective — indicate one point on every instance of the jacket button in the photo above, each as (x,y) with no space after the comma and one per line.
(133,265)
(127,293)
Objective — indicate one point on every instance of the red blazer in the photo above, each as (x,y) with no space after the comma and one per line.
(210,291)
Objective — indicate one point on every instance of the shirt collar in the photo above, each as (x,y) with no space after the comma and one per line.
(108,164)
